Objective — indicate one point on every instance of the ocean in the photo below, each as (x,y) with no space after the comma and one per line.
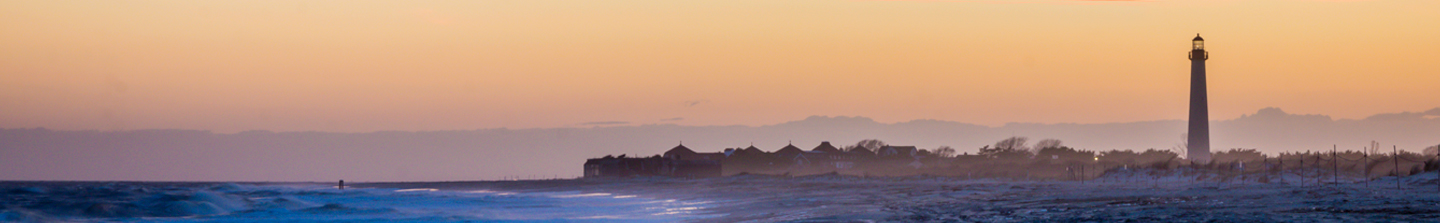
(314,202)
(1120,196)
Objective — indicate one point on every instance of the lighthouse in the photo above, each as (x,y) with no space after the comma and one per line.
(1198,137)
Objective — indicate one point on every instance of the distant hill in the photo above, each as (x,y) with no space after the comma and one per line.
(488,154)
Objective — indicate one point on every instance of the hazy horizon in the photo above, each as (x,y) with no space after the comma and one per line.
(1430,113)
(490,154)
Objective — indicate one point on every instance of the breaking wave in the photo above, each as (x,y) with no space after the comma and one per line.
(188,202)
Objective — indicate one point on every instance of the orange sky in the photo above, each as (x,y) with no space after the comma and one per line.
(356,66)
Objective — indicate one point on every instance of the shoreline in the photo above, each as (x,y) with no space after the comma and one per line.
(859,199)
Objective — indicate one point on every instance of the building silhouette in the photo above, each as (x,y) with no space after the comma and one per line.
(790,160)
(1053,163)
(1197,141)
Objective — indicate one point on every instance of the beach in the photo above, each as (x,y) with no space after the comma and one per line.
(745,198)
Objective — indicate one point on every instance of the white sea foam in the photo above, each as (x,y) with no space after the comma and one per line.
(497,193)
(581,195)
(417,190)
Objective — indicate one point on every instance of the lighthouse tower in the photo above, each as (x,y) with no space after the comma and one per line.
(1198,141)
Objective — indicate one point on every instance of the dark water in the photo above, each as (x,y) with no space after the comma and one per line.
(301,202)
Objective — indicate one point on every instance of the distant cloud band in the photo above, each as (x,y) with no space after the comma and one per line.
(605,123)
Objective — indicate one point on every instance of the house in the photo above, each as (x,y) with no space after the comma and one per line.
(683,162)
(830,157)
(681,152)
(899,156)
(861,153)
(623,166)
(747,160)
(792,156)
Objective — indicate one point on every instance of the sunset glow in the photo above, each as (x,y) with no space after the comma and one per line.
(352,66)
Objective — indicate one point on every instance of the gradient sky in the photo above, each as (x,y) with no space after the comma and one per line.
(355,66)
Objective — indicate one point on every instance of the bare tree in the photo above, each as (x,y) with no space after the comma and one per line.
(1183,148)
(923,153)
(1011,149)
(1374,148)
(1048,143)
(871,144)
(1013,143)
(945,152)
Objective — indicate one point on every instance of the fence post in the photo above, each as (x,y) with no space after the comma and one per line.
(1366,165)
(1302,170)
(1335,160)
(1396,150)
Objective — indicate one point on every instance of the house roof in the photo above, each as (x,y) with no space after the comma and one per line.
(679,150)
(825,147)
(751,150)
(789,149)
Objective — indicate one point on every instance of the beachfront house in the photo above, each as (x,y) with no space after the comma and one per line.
(683,162)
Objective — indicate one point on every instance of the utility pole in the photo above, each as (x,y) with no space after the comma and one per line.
(1242,173)
(1335,160)
(1319,182)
